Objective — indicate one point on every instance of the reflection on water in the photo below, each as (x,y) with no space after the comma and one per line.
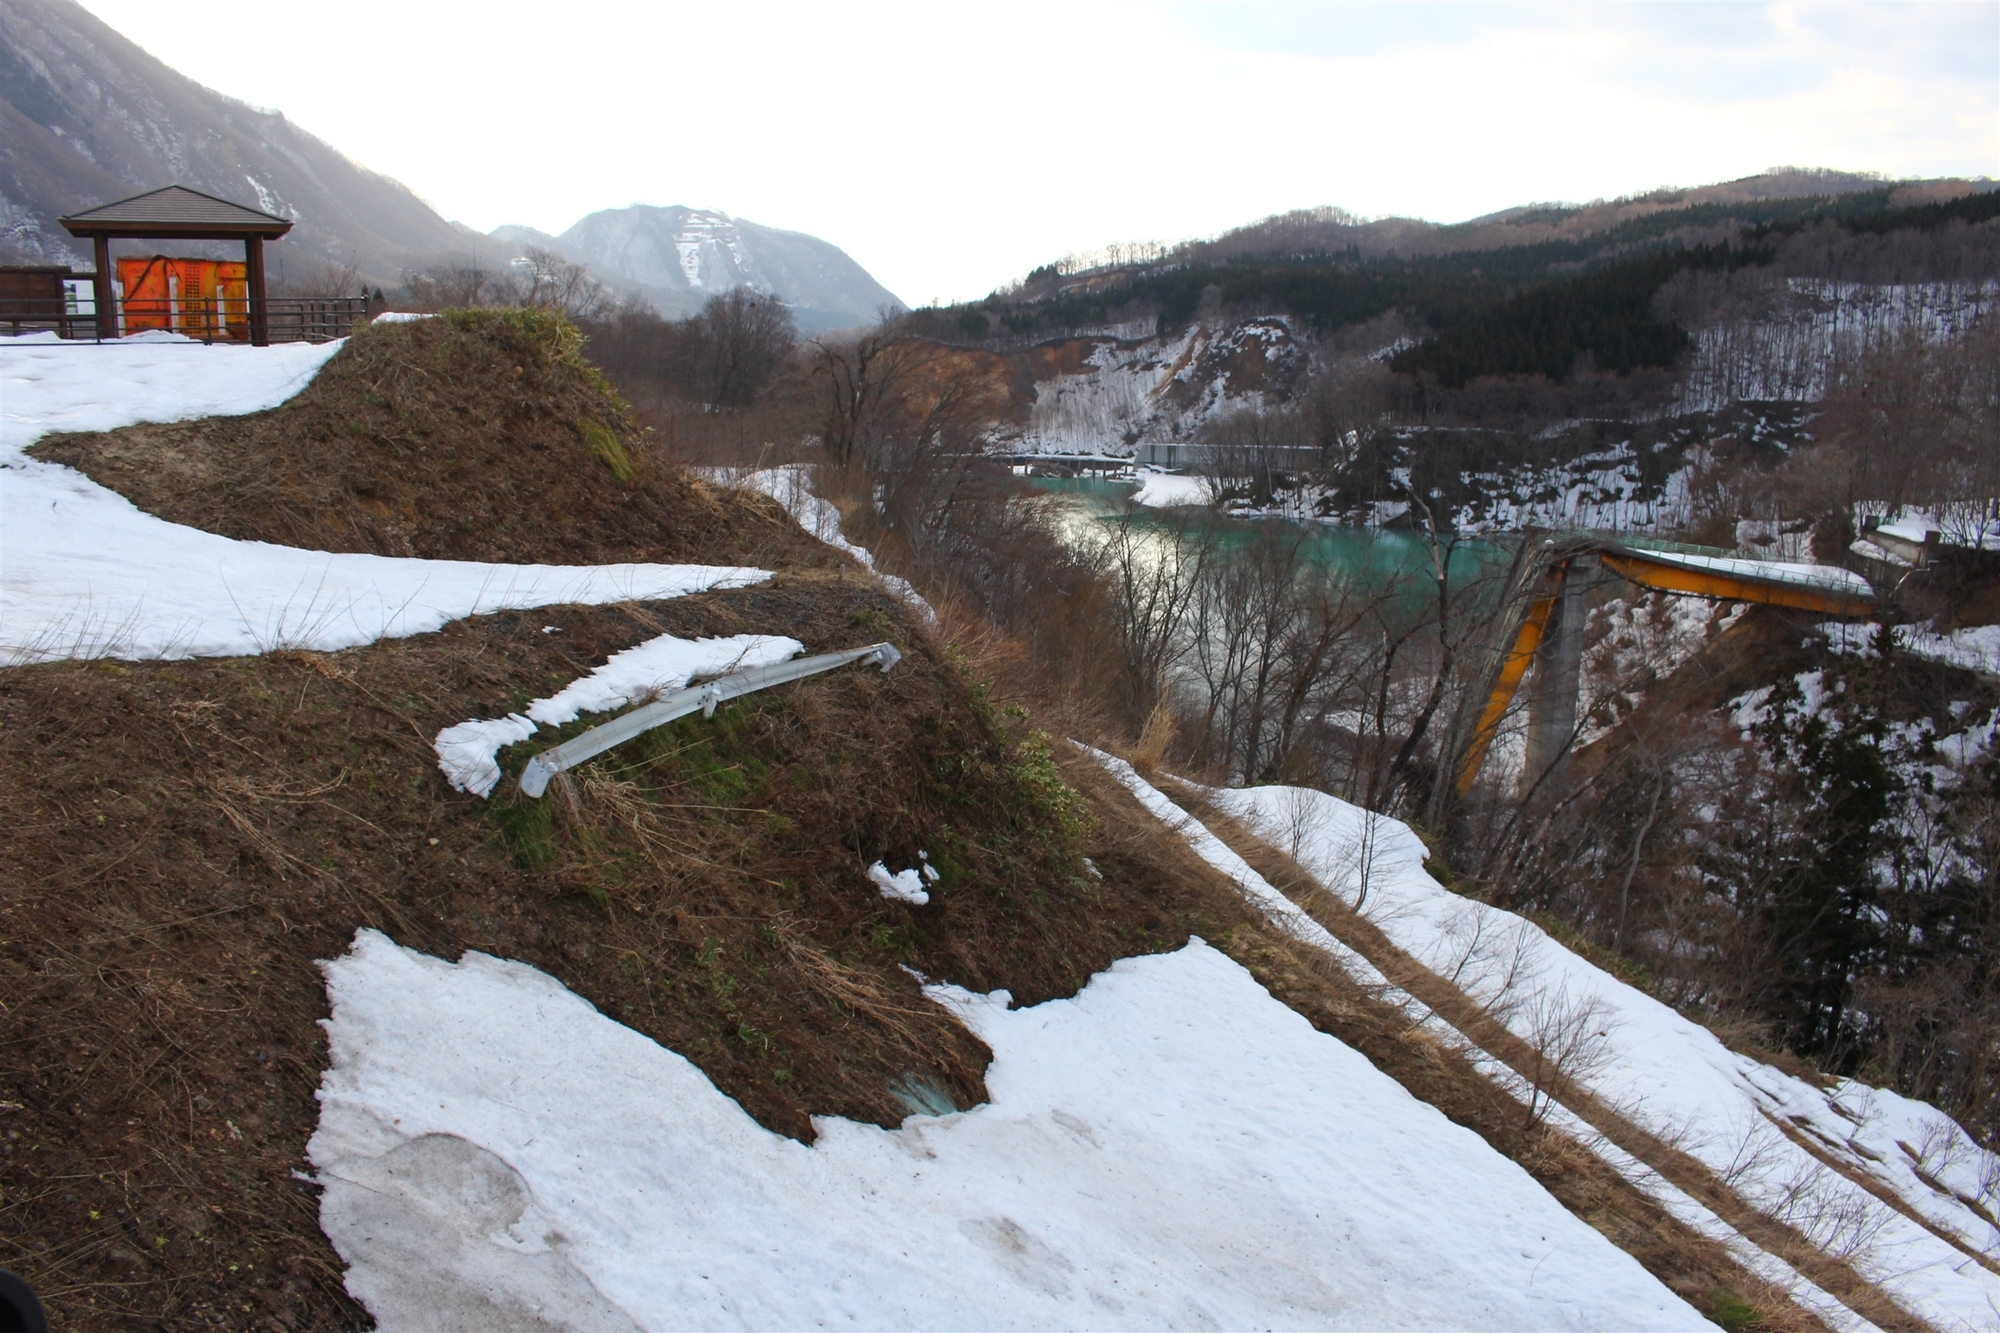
(1375,558)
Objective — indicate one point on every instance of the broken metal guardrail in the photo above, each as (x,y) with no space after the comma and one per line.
(703,698)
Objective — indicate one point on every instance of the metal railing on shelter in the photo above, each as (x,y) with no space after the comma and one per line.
(310,319)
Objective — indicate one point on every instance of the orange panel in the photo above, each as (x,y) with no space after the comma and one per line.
(202,298)
(232,293)
(194,278)
(147,297)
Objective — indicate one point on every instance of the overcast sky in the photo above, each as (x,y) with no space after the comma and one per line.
(949,147)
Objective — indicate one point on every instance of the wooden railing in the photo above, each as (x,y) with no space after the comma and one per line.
(288,318)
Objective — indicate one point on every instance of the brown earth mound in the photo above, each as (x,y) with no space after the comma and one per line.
(187,838)
(476,435)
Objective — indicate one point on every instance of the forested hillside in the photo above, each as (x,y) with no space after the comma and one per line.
(1528,309)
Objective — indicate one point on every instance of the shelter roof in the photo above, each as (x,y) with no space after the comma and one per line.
(175,212)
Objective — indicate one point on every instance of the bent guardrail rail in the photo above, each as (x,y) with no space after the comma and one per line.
(703,698)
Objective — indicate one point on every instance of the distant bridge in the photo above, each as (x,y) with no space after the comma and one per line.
(1550,631)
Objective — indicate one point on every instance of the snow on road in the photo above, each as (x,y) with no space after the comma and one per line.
(1170,1148)
(84,573)
(466,752)
(1671,1076)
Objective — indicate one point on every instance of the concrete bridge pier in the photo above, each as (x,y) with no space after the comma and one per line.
(1552,698)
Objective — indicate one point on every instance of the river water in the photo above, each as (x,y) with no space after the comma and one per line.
(1375,559)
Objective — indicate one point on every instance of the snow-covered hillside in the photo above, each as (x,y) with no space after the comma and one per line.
(1792,1150)
(1169,1147)
(1172,1148)
(84,573)
(1814,325)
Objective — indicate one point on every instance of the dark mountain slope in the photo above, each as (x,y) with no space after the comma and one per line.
(86,116)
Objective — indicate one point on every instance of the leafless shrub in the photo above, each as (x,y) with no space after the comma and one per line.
(544,280)
(326,279)
(1837,1216)
(1568,1037)
(460,284)
(1354,856)
(1493,965)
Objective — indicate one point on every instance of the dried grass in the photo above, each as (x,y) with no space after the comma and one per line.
(187,838)
(480,437)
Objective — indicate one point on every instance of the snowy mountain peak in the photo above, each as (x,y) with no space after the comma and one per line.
(712,255)
(677,257)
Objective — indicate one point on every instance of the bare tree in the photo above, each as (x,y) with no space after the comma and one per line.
(460,284)
(544,280)
(732,348)
(325,280)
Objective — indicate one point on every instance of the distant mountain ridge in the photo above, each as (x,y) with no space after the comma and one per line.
(86,117)
(1334,231)
(677,257)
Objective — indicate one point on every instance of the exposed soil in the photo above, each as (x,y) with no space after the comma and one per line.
(477,435)
(1960,591)
(187,838)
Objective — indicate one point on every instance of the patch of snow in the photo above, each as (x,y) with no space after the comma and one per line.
(903,886)
(401,317)
(790,485)
(1633,643)
(468,751)
(1812,326)
(1917,532)
(1355,868)
(1169,1148)
(1775,540)
(1659,1070)
(85,573)
(1868,550)
(49,385)
(1975,649)
(1279,910)
(1160,490)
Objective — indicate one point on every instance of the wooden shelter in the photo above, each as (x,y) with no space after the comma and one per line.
(176,213)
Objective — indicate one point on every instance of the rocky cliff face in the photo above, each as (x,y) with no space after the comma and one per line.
(87,117)
(1102,395)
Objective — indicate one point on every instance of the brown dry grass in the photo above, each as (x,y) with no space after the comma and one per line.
(477,435)
(187,838)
